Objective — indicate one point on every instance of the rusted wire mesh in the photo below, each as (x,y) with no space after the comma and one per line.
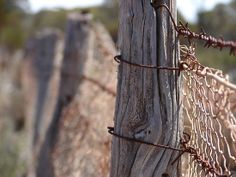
(209,119)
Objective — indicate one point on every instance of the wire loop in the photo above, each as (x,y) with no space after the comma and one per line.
(119,59)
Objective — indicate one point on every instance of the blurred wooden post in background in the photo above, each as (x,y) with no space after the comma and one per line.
(75,54)
(147,104)
(40,78)
(84,93)
(82,140)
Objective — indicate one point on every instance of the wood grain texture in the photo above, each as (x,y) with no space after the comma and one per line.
(147,104)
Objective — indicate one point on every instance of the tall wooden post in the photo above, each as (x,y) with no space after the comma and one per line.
(39,78)
(147,104)
(75,54)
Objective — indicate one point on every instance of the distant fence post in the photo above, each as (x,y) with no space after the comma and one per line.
(147,104)
(38,82)
(75,54)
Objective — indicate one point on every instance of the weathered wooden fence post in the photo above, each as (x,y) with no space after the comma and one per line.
(75,54)
(147,105)
(38,79)
(82,140)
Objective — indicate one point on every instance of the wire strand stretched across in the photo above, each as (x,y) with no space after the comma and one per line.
(118,59)
(210,41)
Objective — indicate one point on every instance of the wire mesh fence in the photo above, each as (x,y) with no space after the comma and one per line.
(208,145)
(209,118)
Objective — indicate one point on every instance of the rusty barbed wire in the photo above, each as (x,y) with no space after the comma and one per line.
(210,41)
(205,163)
(111,130)
(190,64)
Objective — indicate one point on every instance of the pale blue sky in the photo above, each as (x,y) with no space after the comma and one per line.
(188,8)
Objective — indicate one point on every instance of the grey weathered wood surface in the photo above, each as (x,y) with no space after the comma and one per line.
(39,78)
(83,141)
(45,47)
(74,56)
(147,105)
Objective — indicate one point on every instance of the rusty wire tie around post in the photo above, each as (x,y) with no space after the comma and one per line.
(111,130)
(210,41)
(206,165)
(118,59)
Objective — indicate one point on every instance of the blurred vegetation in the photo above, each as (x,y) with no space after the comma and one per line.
(107,14)
(13,23)
(48,18)
(19,24)
(13,133)
(219,22)
(12,162)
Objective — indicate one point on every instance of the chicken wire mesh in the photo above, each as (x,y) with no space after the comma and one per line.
(208,101)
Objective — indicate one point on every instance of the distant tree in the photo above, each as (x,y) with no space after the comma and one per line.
(220,20)
(7,7)
(12,23)
(108,15)
(48,18)
(111,2)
